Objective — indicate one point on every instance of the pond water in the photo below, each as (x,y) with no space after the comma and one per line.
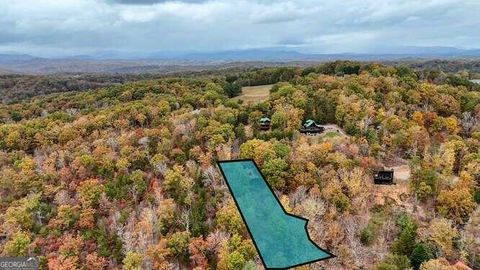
(476,81)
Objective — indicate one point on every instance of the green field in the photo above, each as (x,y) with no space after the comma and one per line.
(255,94)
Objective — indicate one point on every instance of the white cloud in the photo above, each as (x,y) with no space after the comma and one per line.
(138,14)
(79,26)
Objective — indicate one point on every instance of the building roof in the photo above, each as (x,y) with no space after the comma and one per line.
(265,119)
(310,123)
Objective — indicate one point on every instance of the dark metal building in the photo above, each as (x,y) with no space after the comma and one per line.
(383,178)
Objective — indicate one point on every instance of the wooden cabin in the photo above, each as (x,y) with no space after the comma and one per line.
(265,123)
(383,178)
(310,127)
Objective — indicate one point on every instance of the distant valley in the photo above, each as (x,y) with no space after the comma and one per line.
(159,62)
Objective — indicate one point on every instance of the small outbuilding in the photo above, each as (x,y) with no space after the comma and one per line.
(383,177)
(310,127)
(265,123)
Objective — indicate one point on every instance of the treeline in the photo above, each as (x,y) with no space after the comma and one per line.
(20,87)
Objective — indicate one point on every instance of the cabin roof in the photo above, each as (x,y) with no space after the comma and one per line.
(265,119)
(310,123)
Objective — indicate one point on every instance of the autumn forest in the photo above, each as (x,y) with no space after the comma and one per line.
(122,174)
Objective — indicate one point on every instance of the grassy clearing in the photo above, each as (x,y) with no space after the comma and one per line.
(255,94)
(331,134)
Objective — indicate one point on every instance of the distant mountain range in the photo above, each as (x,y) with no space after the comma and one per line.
(438,51)
(131,62)
(291,55)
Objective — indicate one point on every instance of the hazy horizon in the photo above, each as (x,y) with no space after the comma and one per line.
(428,52)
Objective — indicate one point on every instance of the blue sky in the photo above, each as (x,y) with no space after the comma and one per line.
(69,27)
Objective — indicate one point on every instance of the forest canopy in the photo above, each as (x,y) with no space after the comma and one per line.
(124,174)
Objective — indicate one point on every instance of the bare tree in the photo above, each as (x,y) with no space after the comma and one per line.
(469,122)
